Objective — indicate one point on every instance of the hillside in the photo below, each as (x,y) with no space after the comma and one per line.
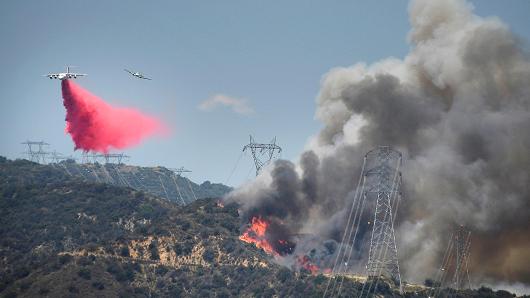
(61,236)
(158,181)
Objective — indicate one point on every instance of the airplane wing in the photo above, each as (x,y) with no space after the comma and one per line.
(146,78)
(51,75)
(128,71)
(79,74)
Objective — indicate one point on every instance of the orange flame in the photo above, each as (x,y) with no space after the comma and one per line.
(255,233)
(305,263)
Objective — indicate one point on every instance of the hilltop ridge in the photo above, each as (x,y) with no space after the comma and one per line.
(62,236)
(159,181)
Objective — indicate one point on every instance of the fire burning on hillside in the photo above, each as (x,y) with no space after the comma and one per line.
(258,232)
(447,105)
(255,233)
(261,232)
(305,263)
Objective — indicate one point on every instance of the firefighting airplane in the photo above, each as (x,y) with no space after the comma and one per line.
(137,74)
(65,75)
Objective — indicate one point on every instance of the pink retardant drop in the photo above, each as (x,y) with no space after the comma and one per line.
(95,125)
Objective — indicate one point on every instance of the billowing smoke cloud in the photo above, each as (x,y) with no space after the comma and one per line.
(458,108)
(97,126)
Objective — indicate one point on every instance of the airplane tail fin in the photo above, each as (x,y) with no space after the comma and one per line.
(68,68)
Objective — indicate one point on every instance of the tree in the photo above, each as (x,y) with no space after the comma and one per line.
(208,255)
(153,249)
(124,251)
(283,275)
(84,273)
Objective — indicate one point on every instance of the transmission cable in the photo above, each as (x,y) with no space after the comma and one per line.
(346,228)
(385,235)
(234,168)
(178,190)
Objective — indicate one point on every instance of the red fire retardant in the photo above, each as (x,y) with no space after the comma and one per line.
(97,126)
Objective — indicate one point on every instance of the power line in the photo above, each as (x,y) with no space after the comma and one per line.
(179,171)
(346,236)
(463,241)
(378,185)
(262,153)
(453,271)
(118,158)
(381,178)
(178,190)
(38,154)
(234,169)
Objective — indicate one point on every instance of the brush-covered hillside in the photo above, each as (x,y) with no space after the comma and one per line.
(158,181)
(61,236)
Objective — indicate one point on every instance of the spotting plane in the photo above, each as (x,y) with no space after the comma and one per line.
(137,74)
(65,75)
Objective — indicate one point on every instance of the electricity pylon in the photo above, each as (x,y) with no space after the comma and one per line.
(179,171)
(462,240)
(116,157)
(262,153)
(378,186)
(89,157)
(57,157)
(38,156)
(382,180)
(455,262)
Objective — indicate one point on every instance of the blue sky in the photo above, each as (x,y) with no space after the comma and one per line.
(272,54)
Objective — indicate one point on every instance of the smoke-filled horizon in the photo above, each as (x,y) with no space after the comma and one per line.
(458,108)
(95,125)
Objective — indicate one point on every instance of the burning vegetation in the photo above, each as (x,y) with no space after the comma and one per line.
(261,233)
(256,233)
(448,107)
(305,263)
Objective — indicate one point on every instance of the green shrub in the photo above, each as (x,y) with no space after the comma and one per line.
(208,255)
(84,273)
(284,275)
(153,249)
(124,251)
(98,285)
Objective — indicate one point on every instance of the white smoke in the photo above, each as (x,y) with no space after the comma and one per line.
(458,107)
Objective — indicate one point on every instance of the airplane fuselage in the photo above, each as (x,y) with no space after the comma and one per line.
(137,74)
(65,75)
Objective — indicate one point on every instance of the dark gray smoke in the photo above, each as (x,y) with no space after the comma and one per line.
(458,108)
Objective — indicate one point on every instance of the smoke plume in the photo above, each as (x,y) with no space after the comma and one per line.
(458,108)
(97,126)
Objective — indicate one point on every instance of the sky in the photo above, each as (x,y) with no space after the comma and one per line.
(221,70)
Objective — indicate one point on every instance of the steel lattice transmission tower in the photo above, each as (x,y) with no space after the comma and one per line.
(179,171)
(461,239)
(116,158)
(454,269)
(57,157)
(88,157)
(382,186)
(36,155)
(262,153)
